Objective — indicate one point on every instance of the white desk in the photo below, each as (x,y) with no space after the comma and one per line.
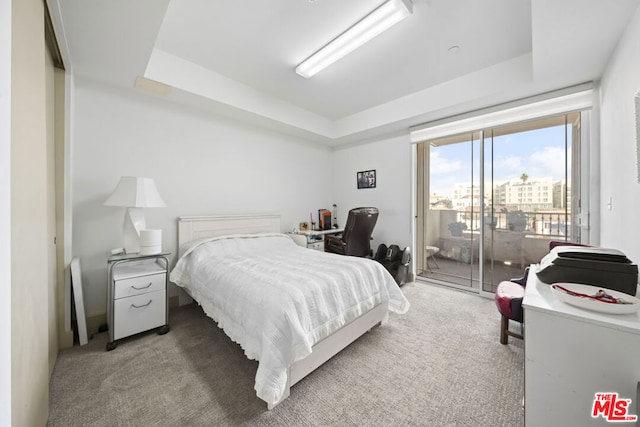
(571,354)
(322,232)
(315,238)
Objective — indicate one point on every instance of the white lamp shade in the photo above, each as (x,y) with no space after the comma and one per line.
(135,192)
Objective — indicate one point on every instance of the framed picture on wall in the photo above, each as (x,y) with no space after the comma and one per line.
(367,179)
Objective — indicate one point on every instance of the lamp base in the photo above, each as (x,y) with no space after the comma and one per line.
(133,222)
(150,242)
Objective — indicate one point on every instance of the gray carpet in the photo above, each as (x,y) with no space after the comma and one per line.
(441,364)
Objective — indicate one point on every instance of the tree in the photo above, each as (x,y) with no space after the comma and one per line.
(524,177)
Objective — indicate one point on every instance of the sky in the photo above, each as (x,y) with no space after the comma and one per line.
(538,153)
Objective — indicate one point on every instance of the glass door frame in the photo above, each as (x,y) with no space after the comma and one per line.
(579,155)
(419,212)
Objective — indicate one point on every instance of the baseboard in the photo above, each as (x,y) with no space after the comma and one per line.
(94,323)
(174,301)
(65,339)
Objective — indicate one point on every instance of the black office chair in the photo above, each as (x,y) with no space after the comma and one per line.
(356,238)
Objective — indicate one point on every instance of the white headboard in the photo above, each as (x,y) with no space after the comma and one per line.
(199,227)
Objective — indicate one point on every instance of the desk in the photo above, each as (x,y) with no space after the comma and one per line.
(571,354)
(315,238)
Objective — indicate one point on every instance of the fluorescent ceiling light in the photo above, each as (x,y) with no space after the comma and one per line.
(381,19)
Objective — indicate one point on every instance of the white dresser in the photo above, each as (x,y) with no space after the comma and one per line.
(137,295)
(571,354)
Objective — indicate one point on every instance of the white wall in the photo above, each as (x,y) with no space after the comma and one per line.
(5,213)
(201,164)
(391,158)
(619,181)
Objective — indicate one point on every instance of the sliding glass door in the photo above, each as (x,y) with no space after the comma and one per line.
(451,207)
(489,202)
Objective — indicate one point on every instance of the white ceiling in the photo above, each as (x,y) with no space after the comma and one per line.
(237,57)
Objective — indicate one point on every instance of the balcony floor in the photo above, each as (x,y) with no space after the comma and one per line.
(460,273)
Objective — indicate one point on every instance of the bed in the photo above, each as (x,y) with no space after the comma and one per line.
(288,307)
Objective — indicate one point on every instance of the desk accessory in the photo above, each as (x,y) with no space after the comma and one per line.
(324,219)
(150,242)
(596,298)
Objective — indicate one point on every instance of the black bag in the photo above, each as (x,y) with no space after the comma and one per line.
(608,268)
(381,252)
(392,258)
(395,260)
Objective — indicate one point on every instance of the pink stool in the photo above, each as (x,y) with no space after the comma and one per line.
(509,302)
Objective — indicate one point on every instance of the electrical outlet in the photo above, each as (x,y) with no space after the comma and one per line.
(583,220)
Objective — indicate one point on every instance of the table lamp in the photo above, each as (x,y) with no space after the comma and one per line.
(134,193)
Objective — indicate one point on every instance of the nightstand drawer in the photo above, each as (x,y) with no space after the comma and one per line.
(139,313)
(139,285)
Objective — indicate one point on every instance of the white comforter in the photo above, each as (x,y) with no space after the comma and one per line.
(277,299)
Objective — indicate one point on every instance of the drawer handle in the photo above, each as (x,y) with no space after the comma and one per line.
(144,287)
(141,306)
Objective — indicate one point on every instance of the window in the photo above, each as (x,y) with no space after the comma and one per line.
(505,226)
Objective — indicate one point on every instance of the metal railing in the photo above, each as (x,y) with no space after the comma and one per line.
(556,224)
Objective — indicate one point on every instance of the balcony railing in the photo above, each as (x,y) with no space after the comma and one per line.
(553,224)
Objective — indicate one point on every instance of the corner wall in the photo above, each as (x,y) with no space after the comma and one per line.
(391,158)
(5,212)
(202,165)
(619,180)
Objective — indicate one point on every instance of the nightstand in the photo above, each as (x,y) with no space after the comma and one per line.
(136,295)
